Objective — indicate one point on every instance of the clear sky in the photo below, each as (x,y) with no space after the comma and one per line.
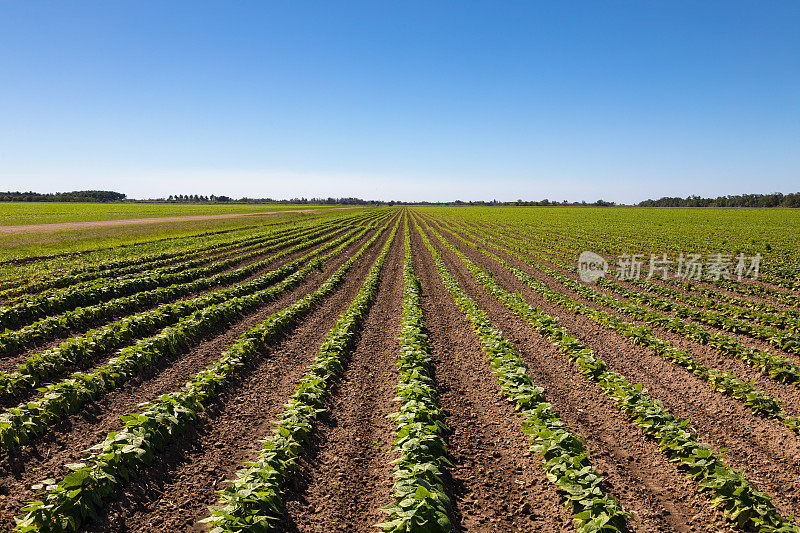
(401,100)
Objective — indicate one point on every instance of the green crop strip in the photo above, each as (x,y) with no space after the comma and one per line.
(60,269)
(742,503)
(144,263)
(759,401)
(780,368)
(252,502)
(730,321)
(81,295)
(12,342)
(772,319)
(786,341)
(565,459)
(79,496)
(516,234)
(43,365)
(764,313)
(784,316)
(420,502)
(19,424)
(133,265)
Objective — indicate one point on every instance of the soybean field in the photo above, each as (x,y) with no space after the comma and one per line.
(410,369)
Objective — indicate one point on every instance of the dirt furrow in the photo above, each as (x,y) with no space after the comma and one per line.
(11,362)
(497,483)
(766,450)
(344,475)
(789,394)
(657,494)
(46,455)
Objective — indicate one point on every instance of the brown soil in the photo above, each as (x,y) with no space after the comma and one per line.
(497,483)
(344,477)
(764,448)
(11,363)
(46,455)
(659,496)
(789,394)
(24,228)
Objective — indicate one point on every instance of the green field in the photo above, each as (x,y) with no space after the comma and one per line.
(17,213)
(66,240)
(57,241)
(436,344)
(771,232)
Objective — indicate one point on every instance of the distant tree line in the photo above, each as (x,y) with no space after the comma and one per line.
(245,200)
(541,203)
(74,196)
(740,200)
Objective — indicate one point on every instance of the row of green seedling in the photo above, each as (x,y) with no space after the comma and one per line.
(742,503)
(420,501)
(727,317)
(142,263)
(14,341)
(252,501)
(68,504)
(743,287)
(757,400)
(190,259)
(779,368)
(43,365)
(102,290)
(240,244)
(61,399)
(761,312)
(565,458)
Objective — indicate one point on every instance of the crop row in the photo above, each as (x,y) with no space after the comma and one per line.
(758,401)
(743,504)
(565,459)
(252,501)
(420,501)
(239,245)
(92,269)
(13,341)
(784,314)
(69,503)
(760,312)
(191,259)
(779,368)
(34,307)
(558,242)
(19,424)
(729,317)
(45,364)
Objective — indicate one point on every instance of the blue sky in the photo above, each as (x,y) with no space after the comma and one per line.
(401,100)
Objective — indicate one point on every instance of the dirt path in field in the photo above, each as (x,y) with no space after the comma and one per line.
(659,496)
(344,475)
(766,450)
(24,228)
(46,455)
(11,363)
(496,482)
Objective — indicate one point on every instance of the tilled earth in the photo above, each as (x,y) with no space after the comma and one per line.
(494,481)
